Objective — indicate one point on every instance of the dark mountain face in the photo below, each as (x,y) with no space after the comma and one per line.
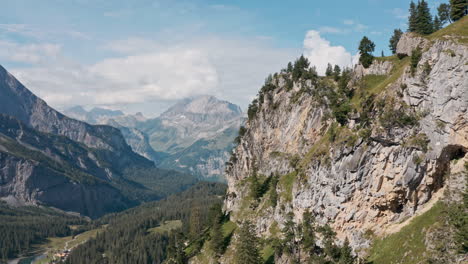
(16,100)
(48,158)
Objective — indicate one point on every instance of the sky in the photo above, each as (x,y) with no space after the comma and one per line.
(144,55)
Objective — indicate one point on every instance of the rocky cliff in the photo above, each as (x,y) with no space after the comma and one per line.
(16,100)
(49,159)
(361,155)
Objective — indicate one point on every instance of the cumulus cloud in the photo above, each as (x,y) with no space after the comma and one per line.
(144,72)
(29,53)
(320,52)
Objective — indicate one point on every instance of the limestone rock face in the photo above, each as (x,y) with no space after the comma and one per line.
(410,41)
(360,184)
(376,68)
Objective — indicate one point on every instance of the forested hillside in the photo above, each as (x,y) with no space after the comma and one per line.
(152,232)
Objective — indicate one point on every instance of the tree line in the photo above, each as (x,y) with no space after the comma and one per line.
(127,237)
(22,227)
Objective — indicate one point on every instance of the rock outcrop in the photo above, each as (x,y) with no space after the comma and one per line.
(384,165)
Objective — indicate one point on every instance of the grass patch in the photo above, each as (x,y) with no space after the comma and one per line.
(407,246)
(268,254)
(458,29)
(59,244)
(167,226)
(286,182)
(228,228)
(393,58)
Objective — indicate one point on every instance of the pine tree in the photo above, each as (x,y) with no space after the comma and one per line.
(289,234)
(424,24)
(273,192)
(217,241)
(247,251)
(444,13)
(336,72)
(301,66)
(394,40)
(366,47)
(346,254)
(255,188)
(329,236)
(413,13)
(458,9)
(308,232)
(329,70)
(290,67)
(437,23)
(195,222)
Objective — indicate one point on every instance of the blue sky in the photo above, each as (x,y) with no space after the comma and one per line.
(143,55)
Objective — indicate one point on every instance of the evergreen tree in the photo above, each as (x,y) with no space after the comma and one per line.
(308,232)
(336,72)
(217,240)
(382,55)
(290,67)
(413,13)
(424,24)
(444,13)
(255,188)
(195,222)
(330,248)
(301,66)
(366,47)
(289,234)
(329,70)
(247,251)
(458,9)
(273,192)
(394,40)
(437,23)
(346,254)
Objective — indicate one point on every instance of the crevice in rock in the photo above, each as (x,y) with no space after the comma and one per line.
(449,153)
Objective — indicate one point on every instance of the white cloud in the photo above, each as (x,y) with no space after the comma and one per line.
(331,30)
(144,72)
(29,53)
(31,31)
(349,26)
(320,52)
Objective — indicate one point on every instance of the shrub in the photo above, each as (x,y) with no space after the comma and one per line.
(241,133)
(415,58)
(401,55)
(397,118)
(252,110)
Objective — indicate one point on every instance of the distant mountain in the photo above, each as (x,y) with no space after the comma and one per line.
(198,133)
(137,140)
(194,136)
(48,158)
(190,120)
(99,115)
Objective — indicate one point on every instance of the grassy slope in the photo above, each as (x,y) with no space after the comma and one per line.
(407,245)
(167,226)
(459,30)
